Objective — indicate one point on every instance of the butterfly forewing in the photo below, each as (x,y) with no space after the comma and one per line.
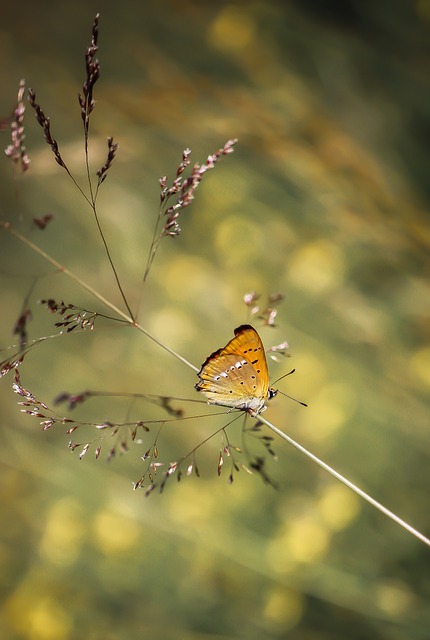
(237,376)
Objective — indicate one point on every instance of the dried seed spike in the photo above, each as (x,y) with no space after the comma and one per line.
(95,29)
(5,368)
(47,424)
(84,450)
(247,469)
(150,489)
(275,298)
(17,151)
(20,327)
(183,190)
(250,298)
(185,162)
(112,149)
(270,316)
(71,430)
(143,426)
(86,101)
(220,462)
(41,223)
(172,468)
(46,126)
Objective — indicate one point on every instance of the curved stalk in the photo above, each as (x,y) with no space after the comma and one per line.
(346,482)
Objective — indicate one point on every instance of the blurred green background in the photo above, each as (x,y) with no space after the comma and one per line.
(326,200)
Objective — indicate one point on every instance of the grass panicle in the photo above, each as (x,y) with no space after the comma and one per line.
(17,151)
(174,198)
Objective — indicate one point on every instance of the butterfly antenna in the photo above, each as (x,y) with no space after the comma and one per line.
(291,398)
(284,376)
(286,394)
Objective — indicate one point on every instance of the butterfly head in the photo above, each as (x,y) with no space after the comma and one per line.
(271,393)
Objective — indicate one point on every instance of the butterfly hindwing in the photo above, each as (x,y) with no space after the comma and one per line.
(237,376)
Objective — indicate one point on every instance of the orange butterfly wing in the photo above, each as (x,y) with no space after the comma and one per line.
(237,376)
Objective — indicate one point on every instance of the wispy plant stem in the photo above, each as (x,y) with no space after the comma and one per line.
(127,318)
(111,262)
(346,482)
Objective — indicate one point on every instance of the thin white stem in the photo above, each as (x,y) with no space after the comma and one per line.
(128,319)
(346,482)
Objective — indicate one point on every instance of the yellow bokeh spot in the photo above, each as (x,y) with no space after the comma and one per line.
(423,9)
(328,411)
(48,620)
(191,280)
(284,607)
(338,506)
(278,555)
(64,530)
(238,241)
(307,539)
(317,267)
(114,532)
(195,506)
(394,598)
(35,616)
(312,372)
(185,278)
(232,30)
(420,365)
(171,321)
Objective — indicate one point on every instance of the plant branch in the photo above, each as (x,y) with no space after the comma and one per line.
(127,318)
(346,482)
(109,257)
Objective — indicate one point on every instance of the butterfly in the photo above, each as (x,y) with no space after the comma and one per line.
(237,376)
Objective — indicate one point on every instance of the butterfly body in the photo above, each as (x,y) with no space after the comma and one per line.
(237,376)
